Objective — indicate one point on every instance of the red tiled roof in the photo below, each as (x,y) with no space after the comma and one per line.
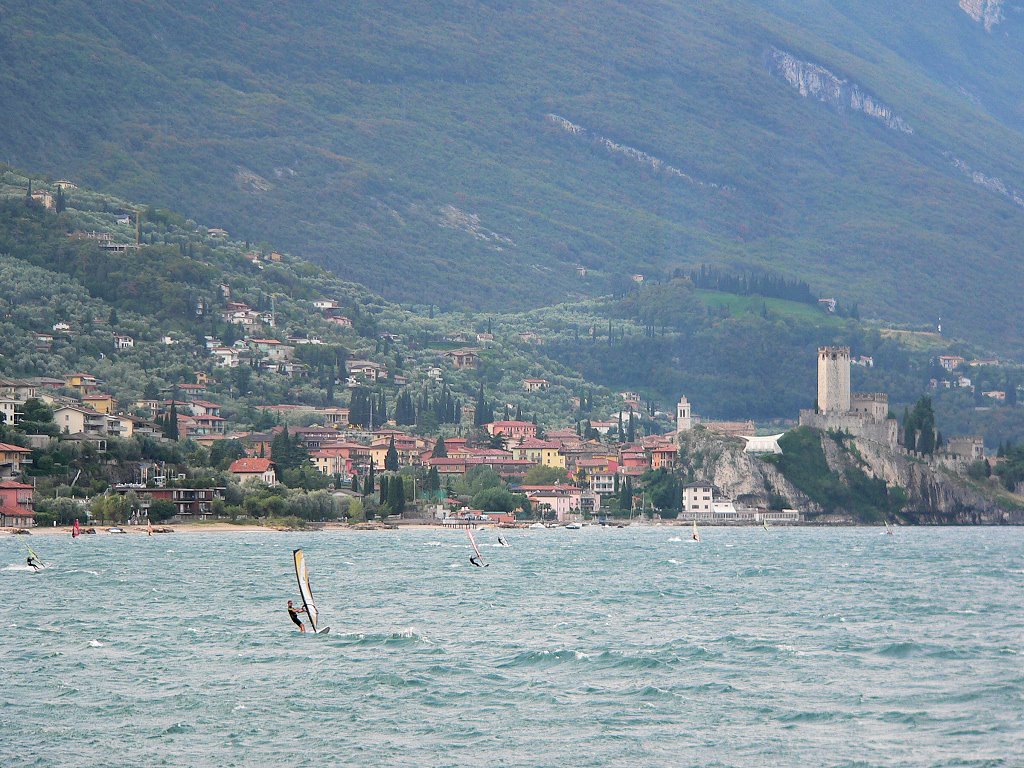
(250,466)
(13,448)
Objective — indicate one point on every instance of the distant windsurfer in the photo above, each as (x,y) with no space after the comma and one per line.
(501,540)
(475,560)
(76,530)
(294,612)
(34,564)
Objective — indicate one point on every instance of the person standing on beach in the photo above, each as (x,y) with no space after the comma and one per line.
(294,612)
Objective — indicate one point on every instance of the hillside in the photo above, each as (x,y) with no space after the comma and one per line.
(741,347)
(474,154)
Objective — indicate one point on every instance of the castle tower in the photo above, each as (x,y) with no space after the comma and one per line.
(833,380)
(684,420)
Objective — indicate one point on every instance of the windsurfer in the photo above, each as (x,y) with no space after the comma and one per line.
(475,560)
(33,563)
(501,540)
(293,613)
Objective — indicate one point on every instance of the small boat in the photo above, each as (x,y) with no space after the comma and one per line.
(573,526)
(538,525)
(115,529)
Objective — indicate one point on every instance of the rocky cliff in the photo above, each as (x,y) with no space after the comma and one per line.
(814,81)
(740,476)
(937,490)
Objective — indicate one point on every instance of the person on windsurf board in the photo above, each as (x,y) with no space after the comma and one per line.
(33,561)
(293,614)
(476,558)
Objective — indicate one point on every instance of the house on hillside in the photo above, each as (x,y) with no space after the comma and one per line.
(465,358)
(253,470)
(85,383)
(367,369)
(512,429)
(122,342)
(536,385)
(100,403)
(12,460)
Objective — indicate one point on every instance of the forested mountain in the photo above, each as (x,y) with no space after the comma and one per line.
(475,153)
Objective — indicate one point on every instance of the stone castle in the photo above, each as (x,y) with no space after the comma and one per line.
(862,414)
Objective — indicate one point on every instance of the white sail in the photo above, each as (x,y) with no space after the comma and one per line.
(476,549)
(302,574)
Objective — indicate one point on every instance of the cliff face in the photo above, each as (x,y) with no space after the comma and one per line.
(815,82)
(936,491)
(740,476)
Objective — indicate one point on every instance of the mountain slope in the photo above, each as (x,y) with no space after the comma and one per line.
(473,153)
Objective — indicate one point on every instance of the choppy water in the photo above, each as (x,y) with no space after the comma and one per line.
(620,647)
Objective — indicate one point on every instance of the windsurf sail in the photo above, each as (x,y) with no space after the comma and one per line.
(76,530)
(476,549)
(302,574)
(696,534)
(764,524)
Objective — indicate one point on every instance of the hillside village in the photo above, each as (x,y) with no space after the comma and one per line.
(245,401)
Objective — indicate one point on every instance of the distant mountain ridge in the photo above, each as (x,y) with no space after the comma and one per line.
(426,151)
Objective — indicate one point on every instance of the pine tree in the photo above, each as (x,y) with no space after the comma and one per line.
(440,451)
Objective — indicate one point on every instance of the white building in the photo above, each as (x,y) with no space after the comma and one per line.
(698,499)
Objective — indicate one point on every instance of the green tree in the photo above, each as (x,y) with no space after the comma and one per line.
(396,495)
(170,426)
(432,485)
(440,450)
(496,500)
(391,457)
(368,484)
(538,474)
(161,509)
(223,452)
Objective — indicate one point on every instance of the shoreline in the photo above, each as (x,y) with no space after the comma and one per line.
(226,527)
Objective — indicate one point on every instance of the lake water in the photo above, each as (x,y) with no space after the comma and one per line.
(600,647)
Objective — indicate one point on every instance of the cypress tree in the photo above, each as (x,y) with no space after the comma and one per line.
(391,458)
(368,484)
(171,423)
(396,495)
(440,451)
(385,480)
(433,482)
